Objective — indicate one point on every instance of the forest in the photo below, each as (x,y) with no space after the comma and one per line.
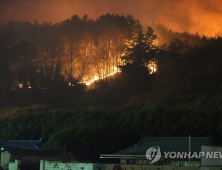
(95,86)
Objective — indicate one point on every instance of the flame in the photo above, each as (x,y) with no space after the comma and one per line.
(20,85)
(70,84)
(153,67)
(87,81)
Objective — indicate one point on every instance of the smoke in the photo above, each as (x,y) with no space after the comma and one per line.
(194,16)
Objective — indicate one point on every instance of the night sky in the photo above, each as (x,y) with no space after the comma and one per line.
(202,16)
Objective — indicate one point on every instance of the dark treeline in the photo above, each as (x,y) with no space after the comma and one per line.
(86,133)
(47,65)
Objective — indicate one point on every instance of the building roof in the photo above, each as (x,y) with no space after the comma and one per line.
(27,144)
(166,144)
(20,148)
(32,152)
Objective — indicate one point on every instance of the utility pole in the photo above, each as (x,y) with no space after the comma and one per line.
(189,149)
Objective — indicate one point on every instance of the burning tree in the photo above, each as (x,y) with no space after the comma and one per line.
(136,60)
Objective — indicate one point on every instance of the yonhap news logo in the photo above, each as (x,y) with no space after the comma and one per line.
(153,154)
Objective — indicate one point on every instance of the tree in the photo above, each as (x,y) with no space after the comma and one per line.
(7,40)
(179,47)
(26,66)
(138,56)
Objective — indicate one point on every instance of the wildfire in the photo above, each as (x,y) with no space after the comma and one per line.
(88,81)
(152,66)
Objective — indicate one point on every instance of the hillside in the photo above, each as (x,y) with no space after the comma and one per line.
(45,68)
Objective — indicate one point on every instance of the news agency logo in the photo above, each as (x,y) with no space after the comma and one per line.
(153,154)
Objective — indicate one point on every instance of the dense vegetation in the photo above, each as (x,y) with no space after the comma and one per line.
(182,98)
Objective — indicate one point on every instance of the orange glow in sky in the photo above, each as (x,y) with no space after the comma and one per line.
(195,16)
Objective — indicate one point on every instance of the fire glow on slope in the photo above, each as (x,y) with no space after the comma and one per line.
(87,81)
(152,67)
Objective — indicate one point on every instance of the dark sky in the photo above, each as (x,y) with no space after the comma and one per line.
(202,16)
